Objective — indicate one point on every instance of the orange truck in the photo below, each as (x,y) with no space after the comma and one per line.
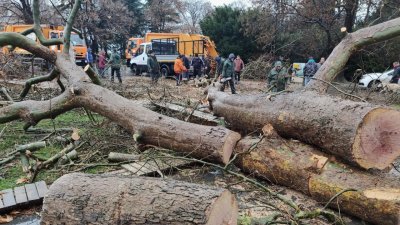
(78,44)
(50,32)
(131,47)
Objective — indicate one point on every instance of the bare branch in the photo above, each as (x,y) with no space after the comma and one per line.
(51,76)
(34,111)
(38,29)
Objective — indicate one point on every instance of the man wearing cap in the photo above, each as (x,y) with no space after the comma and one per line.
(276,77)
(228,73)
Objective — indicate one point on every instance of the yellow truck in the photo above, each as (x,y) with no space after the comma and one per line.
(50,32)
(167,46)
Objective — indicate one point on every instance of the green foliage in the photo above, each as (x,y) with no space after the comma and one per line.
(244,220)
(136,7)
(224,28)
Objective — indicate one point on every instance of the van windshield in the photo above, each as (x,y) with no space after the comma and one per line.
(76,40)
(140,50)
(132,44)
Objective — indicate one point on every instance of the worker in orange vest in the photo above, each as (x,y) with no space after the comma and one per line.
(179,69)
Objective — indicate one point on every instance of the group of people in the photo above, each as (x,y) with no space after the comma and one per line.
(229,71)
(201,66)
(114,61)
(279,76)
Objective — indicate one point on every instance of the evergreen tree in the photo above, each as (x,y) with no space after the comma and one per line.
(224,28)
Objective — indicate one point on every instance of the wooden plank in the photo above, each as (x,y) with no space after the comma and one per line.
(20,195)
(42,189)
(8,198)
(31,192)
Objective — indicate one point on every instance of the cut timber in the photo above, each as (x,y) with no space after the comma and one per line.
(362,134)
(92,74)
(106,199)
(303,168)
(121,157)
(31,147)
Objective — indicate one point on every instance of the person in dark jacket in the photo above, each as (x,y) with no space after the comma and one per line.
(153,67)
(276,77)
(115,61)
(396,73)
(186,63)
(228,73)
(89,57)
(197,64)
(309,70)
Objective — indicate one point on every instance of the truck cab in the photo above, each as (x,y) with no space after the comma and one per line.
(165,51)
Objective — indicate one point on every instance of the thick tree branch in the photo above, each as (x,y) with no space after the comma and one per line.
(51,76)
(38,29)
(34,111)
(19,40)
(350,44)
(70,23)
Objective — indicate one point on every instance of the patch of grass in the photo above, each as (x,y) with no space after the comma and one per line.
(15,135)
(396,106)
(11,176)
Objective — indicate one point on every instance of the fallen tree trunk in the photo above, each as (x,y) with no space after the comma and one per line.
(303,168)
(215,143)
(91,199)
(351,43)
(363,134)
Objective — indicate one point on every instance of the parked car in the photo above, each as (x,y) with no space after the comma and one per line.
(374,80)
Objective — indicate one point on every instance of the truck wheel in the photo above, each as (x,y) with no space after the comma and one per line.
(135,70)
(164,71)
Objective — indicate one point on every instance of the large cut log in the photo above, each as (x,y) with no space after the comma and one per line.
(107,199)
(361,133)
(303,168)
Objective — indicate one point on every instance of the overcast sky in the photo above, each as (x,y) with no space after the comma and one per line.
(226,2)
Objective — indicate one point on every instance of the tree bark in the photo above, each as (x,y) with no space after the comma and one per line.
(362,134)
(303,168)
(91,199)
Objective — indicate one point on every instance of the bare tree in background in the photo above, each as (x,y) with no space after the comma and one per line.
(162,15)
(17,10)
(191,13)
(104,21)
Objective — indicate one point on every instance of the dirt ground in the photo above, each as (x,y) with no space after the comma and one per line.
(252,201)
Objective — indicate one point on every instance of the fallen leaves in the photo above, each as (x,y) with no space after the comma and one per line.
(6,219)
(22,180)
